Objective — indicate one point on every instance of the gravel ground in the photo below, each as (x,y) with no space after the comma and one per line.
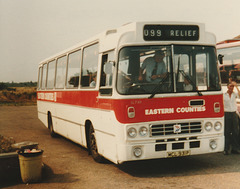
(68,165)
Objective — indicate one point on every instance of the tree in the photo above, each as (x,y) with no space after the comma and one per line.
(3,86)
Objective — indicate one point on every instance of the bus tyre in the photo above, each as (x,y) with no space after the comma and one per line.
(93,146)
(50,126)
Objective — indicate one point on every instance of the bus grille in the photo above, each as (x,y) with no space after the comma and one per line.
(168,129)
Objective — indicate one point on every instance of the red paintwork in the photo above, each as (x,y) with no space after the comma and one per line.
(91,99)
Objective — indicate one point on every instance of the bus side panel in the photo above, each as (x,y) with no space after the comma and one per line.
(105,125)
(69,123)
(42,112)
(103,121)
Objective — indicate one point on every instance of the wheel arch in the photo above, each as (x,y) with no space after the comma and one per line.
(49,118)
(88,123)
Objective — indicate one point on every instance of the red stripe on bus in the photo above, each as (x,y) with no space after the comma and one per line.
(155,109)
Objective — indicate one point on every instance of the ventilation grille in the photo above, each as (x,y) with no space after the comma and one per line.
(168,129)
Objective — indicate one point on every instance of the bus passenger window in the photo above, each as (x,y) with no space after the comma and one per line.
(51,74)
(89,65)
(39,77)
(73,70)
(61,72)
(44,76)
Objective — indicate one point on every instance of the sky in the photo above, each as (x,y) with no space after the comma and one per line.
(33,30)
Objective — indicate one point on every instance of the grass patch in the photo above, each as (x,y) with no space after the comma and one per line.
(18,96)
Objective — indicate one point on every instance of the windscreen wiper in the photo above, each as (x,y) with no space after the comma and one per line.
(158,85)
(191,81)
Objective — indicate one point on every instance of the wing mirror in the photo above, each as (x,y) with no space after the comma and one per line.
(220,58)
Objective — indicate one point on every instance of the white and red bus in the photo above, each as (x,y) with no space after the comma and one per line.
(229,50)
(91,94)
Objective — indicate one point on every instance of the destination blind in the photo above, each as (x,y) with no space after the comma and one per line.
(171,33)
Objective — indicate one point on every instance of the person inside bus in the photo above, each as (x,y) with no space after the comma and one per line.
(93,83)
(231,128)
(153,68)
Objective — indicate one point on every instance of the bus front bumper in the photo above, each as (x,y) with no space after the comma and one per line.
(153,150)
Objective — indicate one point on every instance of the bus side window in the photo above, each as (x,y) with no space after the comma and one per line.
(107,73)
(224,76)
(40,78)
(89,66)
(44,76)
(61,72)
(107,69)
(51,74)
(73,70)
(235,75)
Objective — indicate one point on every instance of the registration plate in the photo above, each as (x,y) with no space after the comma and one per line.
(178,153)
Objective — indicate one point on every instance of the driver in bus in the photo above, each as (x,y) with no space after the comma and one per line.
(153,68)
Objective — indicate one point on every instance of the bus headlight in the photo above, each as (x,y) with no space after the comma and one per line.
(208,126)
(143,131)
(218,126)
(132,132)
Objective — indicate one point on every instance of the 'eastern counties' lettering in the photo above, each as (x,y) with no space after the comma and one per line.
(177,110)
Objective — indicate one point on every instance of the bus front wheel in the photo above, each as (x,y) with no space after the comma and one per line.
(93,145)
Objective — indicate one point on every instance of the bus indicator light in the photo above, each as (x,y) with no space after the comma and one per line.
(131,112)
(217,107)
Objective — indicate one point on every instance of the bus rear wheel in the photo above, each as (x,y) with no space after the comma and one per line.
(93,145)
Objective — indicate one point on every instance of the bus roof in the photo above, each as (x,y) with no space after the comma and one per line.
(132,33)
(226,45)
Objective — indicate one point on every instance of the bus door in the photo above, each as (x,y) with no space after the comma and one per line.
(106,77)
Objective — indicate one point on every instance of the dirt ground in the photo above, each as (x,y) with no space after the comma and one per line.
(68,165)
